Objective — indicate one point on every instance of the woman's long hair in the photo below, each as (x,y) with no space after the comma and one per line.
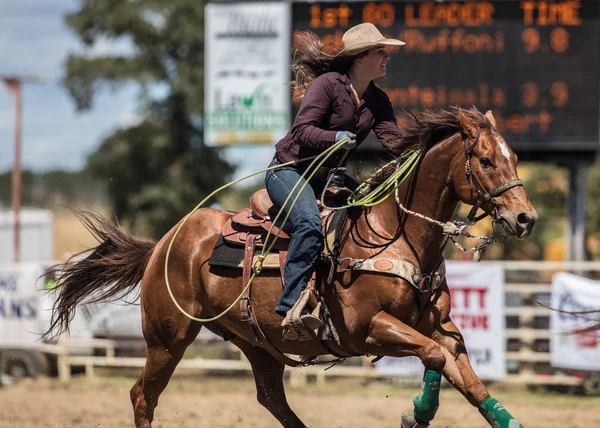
(309,61)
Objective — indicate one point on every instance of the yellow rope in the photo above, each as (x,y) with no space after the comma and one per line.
(327,153)
(385,189)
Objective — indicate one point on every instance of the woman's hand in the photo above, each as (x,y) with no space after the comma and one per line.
(343,134)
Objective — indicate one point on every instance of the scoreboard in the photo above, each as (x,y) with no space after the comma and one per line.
(534,63)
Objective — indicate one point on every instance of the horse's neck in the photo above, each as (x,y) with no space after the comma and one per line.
(429,194)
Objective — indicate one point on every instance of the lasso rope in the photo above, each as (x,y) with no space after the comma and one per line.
(455,228)
(378,195)
(404,167)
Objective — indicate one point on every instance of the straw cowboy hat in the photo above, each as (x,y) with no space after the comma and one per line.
(363,37)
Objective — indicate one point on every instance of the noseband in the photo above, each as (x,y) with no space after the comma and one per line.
(484,196)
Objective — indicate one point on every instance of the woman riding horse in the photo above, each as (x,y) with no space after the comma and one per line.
(339,100)
(388,299)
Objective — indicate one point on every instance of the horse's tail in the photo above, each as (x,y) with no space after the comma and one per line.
(116,265)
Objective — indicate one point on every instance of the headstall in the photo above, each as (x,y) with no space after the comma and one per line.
(484,196)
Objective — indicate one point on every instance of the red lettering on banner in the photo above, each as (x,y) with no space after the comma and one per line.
(461,296)
(471,322)
(588,339)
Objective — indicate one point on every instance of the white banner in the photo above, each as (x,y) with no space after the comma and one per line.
(568,348)
(19,305)
(477,294)
(247,98)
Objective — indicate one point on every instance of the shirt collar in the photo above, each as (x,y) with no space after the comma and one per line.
(346,80)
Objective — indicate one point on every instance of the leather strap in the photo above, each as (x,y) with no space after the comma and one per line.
(497,191)
(282,257)
(245,309)
(265,343)
(395,267)
(248,316)
(484,196)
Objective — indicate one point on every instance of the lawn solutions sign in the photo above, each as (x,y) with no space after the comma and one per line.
(247,75)
(477,293)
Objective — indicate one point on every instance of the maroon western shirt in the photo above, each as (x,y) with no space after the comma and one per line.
(330,106)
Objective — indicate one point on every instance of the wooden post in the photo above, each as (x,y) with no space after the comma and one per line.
(64,366)
(575,247)
(297,378)
(14,86)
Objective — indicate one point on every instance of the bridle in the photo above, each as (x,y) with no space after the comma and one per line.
(453,229)
(484,196)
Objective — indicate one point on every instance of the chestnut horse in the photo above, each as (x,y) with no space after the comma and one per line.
(374,313)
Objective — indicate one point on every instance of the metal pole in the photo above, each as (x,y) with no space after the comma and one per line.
(575,248)
(14,86)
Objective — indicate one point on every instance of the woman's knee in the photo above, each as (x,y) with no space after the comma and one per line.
(309,222)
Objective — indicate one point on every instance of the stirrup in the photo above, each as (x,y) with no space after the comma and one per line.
(298,323)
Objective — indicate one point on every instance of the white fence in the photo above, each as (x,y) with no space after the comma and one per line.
(527,334)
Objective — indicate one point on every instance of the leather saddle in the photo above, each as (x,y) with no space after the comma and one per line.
(256,221)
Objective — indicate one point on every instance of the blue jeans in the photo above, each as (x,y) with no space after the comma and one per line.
(303,225)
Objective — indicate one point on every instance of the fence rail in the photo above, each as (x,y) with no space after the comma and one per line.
(527,336)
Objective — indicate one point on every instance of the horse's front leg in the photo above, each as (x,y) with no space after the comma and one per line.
(388,336)
(460,374)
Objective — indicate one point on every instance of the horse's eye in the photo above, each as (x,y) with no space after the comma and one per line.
(486,162)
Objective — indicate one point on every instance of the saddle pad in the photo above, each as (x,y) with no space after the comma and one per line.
(232,256)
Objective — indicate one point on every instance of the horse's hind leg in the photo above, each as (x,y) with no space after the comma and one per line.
(268,375)
(161,360)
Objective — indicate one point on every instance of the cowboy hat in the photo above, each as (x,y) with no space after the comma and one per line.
(363,37)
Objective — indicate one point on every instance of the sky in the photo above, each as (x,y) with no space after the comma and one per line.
(34,41)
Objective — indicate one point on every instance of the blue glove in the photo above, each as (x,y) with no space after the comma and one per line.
(343,134)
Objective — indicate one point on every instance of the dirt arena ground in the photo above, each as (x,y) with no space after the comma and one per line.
(225,402)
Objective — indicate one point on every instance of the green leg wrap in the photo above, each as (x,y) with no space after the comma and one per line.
(428,401)
(496,415)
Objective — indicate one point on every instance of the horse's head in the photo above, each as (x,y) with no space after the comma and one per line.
(485,175)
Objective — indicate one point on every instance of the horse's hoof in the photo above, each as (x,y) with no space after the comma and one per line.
(408,420)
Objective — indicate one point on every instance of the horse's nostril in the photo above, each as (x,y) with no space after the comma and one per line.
(523,218)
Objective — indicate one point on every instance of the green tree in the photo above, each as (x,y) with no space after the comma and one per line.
(546,186)
(53,188)
(592,199)
(159,168)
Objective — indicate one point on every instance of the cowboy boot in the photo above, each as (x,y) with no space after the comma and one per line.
(299,324)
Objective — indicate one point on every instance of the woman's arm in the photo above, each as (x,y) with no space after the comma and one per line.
(386,128)
(315,108)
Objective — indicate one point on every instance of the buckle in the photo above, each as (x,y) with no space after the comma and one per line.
(352,263)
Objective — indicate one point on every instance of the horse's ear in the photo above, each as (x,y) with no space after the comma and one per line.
(468,127)
(491,118)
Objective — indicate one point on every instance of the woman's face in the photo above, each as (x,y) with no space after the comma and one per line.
(374,63)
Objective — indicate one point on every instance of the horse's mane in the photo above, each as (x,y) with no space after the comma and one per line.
(423,130)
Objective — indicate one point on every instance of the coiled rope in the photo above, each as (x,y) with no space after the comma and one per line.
(378,195)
